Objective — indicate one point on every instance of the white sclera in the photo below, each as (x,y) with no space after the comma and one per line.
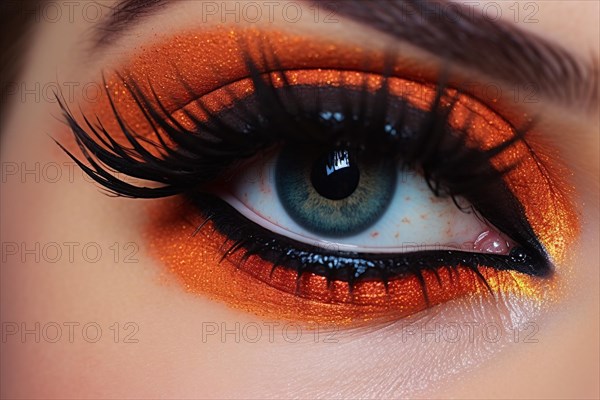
(415,220)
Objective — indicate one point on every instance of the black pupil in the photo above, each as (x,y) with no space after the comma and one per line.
(335,175)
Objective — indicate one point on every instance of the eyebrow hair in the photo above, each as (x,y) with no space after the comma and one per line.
(447,30)
(496,48)
(122,16)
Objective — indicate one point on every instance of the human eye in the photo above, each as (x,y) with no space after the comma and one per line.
(341,199)
(345,155)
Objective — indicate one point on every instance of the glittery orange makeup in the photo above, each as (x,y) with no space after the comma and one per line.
(186,94)
(196,262)
(207,60)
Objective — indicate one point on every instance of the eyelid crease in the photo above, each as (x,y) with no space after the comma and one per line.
(219,53)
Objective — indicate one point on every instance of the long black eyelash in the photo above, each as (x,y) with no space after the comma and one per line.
(199,156)
(182,161)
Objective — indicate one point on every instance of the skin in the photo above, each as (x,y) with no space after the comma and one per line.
(172,358)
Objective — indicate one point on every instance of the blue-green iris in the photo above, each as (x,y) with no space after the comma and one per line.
(333,193)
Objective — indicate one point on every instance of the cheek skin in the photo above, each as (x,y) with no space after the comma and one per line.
(195,262)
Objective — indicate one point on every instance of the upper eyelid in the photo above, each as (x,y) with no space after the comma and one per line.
(220,51)
(558,75)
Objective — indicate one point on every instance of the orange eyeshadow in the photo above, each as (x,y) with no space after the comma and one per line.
(212,64)
(548,209)
(208,60)
(196,262)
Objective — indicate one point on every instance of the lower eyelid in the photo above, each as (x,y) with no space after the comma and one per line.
(195,261)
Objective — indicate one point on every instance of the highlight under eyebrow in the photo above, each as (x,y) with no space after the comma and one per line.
(447,30)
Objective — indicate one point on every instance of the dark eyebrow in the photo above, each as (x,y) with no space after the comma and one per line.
(448,30)
(494,47)
(122,16)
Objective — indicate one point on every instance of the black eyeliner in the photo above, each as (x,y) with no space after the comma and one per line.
(243,235)
(296,114)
